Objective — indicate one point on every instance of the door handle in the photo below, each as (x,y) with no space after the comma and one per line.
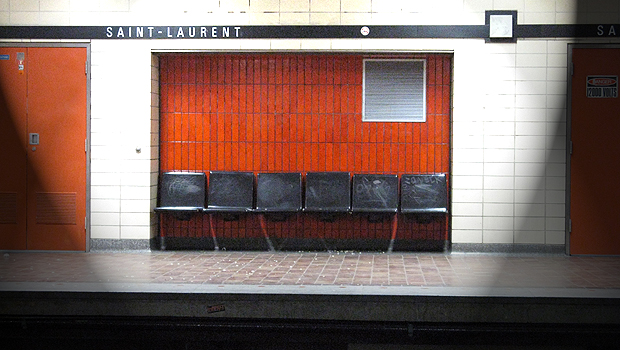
(34,139)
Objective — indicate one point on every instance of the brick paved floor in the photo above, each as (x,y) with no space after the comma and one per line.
(336,269)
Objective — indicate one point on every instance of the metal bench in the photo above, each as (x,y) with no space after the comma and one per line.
(375,195)
(278,195)
(181,194)
(423,196)
(328,194)
(230,194)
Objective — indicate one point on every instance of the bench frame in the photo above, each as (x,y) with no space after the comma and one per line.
(325,213)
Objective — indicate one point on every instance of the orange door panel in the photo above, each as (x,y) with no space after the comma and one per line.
(57,174)
(595,122)
(43,158)
(13,160)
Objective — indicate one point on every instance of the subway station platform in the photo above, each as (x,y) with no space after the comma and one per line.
(330,298)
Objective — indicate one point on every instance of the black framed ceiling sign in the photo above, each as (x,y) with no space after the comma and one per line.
(314,32)
(501,25)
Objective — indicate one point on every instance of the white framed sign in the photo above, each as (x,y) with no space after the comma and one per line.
(602,86)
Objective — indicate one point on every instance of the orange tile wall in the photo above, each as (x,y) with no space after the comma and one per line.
(295,113)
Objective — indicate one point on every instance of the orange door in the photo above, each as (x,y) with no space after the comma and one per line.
(595,159)
(54,149)
(13,161)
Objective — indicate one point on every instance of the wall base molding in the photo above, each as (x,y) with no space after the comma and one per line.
(558,249)
(154,244)
(123,244)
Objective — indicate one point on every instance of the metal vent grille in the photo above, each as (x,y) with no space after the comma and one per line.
(8,208)
(56,208)
(394,90)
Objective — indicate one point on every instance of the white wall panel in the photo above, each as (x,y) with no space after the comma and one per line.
(105,232)
(466,236)
(498,209)
(530,237)
(498,237)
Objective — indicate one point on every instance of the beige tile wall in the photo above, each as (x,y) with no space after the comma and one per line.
(263,12)
(509,114)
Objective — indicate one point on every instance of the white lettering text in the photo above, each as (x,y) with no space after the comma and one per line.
(214,32)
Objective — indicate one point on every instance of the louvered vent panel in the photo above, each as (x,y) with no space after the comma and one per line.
(56,208)
(8,208)
(394,90)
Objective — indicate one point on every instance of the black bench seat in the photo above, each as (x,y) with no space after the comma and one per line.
(328,194)
(423,194)
(230,193)
(375,193)
(181,194)
(278,194)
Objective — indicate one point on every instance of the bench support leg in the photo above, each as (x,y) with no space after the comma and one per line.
(394,229)
(263,226)
(162,241)
(216,247)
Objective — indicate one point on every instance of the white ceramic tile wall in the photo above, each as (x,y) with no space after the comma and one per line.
(122,138)
(509,114)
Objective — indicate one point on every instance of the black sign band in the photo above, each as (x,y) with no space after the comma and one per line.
(302,32)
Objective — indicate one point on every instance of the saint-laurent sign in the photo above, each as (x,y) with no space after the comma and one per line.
(303,32)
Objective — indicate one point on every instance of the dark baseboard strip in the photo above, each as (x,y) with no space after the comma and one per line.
(558,249)
(259,244)
(123,244)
